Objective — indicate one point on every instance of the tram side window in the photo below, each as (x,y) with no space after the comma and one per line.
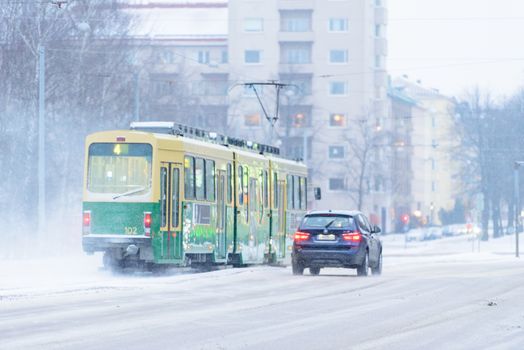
(289,187)
(296,192)
(163,196)
(245,182)
(253,198)
(175,197)
(189,177)
(265,189)
(303,186)
(210,180)
(199,179)
(275,190)
(240,185)
(229,183)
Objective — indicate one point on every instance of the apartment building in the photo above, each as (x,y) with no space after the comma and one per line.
(181,54)
(427,145)
(332,53)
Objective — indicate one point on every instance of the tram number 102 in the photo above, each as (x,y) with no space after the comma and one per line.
(130,230)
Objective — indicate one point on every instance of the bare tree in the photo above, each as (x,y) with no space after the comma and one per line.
(85,60)
(366,166)
(491,140)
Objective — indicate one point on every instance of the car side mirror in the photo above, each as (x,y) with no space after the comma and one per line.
(318,193)
(376,229)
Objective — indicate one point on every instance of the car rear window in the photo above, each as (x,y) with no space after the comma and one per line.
(329,221)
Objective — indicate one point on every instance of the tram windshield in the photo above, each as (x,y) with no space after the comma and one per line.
(123,169)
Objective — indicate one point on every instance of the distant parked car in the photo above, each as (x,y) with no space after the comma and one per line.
(454,230)
(416,234)
(336,238)
(434,232)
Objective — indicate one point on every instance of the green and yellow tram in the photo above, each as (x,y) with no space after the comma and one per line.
(162,193)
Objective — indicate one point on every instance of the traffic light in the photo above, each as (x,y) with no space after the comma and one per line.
(404,218)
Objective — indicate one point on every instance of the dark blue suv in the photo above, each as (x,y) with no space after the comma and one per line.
(336,238)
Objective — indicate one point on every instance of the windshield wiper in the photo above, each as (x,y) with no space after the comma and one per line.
(329,224)
(141,188)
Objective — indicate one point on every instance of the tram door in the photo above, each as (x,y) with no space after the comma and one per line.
(171,243)
(281,218)
(221,215)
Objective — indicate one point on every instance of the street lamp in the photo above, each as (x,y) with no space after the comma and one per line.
(82,27)
(41,140)
(517,204)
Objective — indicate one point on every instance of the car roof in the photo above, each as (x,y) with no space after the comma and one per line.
(334,211)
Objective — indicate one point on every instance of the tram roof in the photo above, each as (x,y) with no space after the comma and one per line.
(137,135)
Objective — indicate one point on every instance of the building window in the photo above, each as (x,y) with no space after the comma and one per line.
(165,56)
(336,152)
(212,117)
(298,120)
(300,84)
(339,88)
(378,184)
(337,120)
(295,20)
(294,147)
(203,57)
(295,53)
(338,56)
(254,25)
(213,85)
(252,56)
(378,30)
(336,184)
(252,120)
(298,116)
(224,57)
(338,24)
(164,84)
(378,61)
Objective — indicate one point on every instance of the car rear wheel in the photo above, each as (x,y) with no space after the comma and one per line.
(314,271)
(297,268)
(377,270)
(363,269)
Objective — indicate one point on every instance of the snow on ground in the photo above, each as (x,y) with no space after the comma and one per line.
(433,295)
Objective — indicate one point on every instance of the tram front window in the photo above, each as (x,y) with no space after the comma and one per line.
(123,169)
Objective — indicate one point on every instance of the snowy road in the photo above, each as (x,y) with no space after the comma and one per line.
(435,295)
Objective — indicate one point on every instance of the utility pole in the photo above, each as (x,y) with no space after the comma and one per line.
(517,204)
(41,140)
(137,96)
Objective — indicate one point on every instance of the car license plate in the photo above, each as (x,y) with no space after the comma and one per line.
(326,237)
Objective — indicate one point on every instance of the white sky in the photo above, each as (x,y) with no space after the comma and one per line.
(455,44)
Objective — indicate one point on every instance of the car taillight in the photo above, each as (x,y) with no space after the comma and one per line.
(147,223)
(352,237)
(86,222)
(301,236)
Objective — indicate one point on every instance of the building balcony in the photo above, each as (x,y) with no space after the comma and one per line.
(296,36)
(381,15)
(296,68)
(381,46)
(381,78)
(211,67)
(296,4)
